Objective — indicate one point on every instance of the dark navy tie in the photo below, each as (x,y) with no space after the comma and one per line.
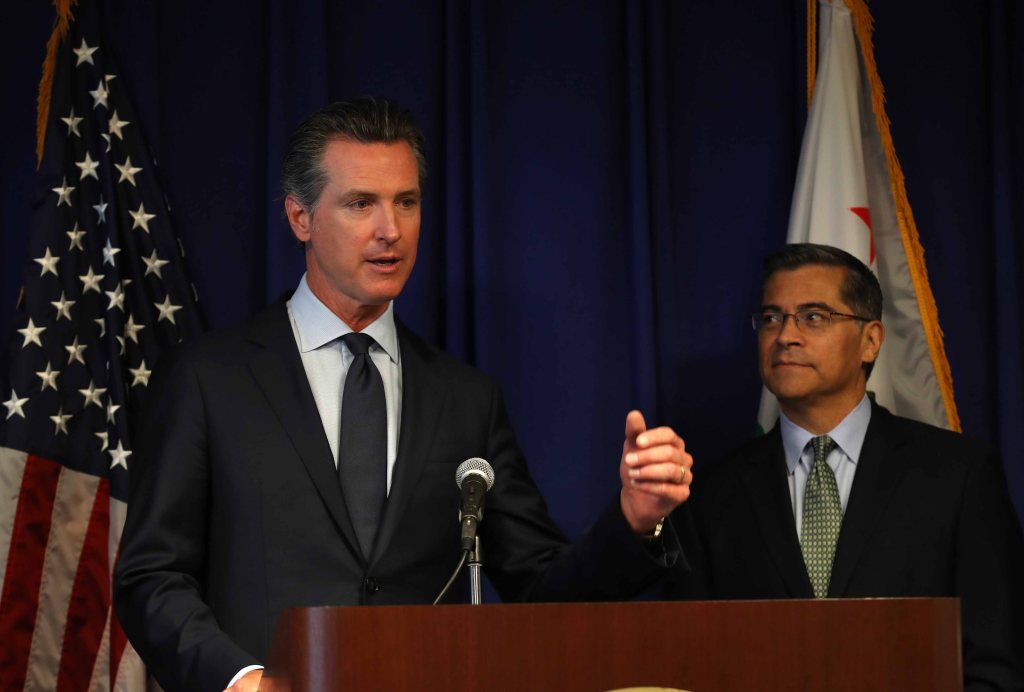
(363,449)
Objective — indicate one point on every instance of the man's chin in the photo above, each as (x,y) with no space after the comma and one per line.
(787,389)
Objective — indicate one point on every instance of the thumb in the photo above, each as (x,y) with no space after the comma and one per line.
(634,425)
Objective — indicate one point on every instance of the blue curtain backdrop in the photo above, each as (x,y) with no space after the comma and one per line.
(604,178)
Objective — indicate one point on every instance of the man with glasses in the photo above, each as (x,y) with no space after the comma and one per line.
(842,499)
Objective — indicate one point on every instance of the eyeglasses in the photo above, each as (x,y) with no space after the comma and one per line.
(810,321)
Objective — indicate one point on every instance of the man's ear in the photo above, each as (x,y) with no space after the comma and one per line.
(299,218)
(871,341)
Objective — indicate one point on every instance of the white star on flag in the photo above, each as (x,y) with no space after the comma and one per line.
(88,167)
(49,378)
(131,329)
(72,122)
(108,253)
(127,171)
(99,96)
(48,263)
(60,421)
(111,410)
(104,438)
(76,238)
(116,298)
(64,192)
(167,310)
(141,374)
(115,124)
(140,219)
(102,325)
(90,281)
(75,351)
(101,211)
(31,334)
(119,456)
(84,53)
(92,395)
(63,306)
(14,405)
(153,264)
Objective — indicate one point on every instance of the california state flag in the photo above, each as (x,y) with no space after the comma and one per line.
(849,193)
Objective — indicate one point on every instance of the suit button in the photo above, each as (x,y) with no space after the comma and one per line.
(371,585)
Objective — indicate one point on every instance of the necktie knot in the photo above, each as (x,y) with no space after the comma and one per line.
(823,446)
(359,344)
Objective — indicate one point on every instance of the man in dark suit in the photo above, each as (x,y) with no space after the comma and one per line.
(259,484)
(842,499)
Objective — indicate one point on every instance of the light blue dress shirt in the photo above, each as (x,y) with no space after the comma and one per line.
(849,438)
(326,359)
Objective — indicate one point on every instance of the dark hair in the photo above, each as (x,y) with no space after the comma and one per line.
(860,289)
(368,120)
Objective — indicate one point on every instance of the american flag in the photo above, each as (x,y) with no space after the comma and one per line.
(105,292)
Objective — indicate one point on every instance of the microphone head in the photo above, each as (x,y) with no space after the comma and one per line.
(475,466)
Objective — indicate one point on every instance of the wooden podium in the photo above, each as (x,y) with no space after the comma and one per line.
(828,645)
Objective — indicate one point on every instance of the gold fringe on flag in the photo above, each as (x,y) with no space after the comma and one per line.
(864,27)
(60,32)
(812,48)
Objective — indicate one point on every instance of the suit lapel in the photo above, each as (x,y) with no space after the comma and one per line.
(422,395)
(766,487)
(878,474)
(277,368)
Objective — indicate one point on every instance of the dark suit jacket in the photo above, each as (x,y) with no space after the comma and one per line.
(236,510)
(928,515)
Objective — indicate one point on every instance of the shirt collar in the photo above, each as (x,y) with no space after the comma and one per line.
(317,326)
(848,435)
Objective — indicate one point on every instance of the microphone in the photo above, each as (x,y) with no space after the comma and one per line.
(474,477)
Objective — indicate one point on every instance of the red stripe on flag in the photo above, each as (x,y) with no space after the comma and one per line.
(90,599)
(19,601)
(118,642)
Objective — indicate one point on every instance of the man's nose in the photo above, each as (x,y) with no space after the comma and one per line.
(387,225)
(789,332)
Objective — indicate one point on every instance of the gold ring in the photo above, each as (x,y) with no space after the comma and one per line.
(682,474)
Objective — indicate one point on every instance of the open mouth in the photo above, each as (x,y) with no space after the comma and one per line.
(385,262)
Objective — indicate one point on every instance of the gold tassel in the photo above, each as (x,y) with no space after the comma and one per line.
(863,27)
(60,32)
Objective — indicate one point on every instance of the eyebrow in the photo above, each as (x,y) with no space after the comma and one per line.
(801,306)
(357,193)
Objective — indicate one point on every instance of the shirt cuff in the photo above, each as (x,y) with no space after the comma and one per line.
(242,672)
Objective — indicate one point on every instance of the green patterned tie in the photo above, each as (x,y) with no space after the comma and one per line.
(823,515)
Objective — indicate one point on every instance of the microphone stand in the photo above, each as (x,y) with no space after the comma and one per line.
(476,561)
